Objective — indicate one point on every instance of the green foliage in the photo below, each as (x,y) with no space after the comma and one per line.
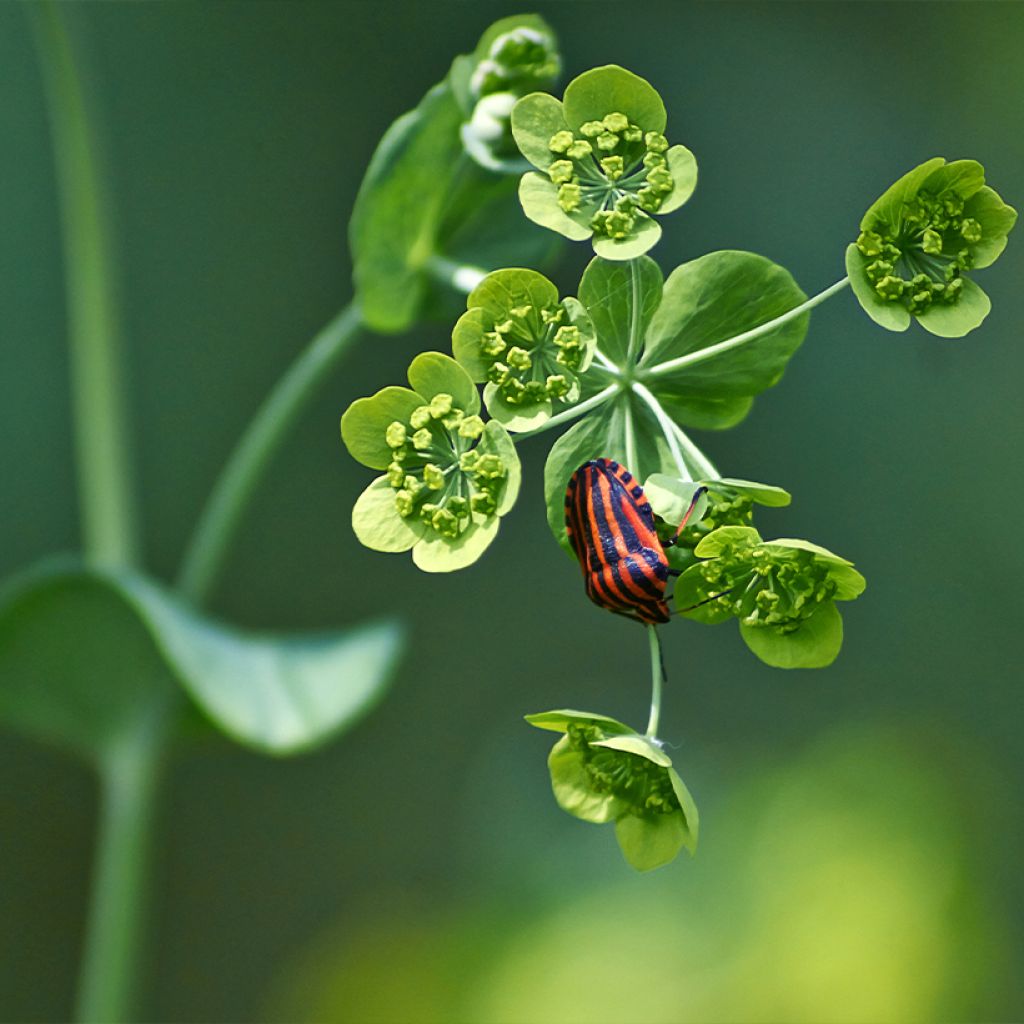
(918,242)
(83,651)
(602,771)
(607,167)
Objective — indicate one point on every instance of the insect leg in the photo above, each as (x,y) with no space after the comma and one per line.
(698,494)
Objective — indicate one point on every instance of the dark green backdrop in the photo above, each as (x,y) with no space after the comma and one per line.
(419,867)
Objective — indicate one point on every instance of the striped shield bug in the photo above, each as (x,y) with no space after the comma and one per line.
(611,529)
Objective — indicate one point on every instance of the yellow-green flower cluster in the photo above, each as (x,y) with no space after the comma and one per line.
(616,162)
(922,260)
(437,475)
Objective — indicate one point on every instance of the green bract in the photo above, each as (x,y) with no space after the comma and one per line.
(514,56)
(919,240)
(607,166)
(529,346)
(450,477)
(783,592)
(602,771)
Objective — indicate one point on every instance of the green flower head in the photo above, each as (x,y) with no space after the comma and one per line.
(449,476)
(604,166)
(515,56)
(529,346)
(783,593)
(602,771)
(920,240)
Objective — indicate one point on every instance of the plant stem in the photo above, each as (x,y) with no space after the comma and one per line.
(702,355)
(657,678)
(629,439)
(704,466)
(570,414)
(462,277)
(262,438)
(667,428)
(633,348)
(129,774)
(109,529)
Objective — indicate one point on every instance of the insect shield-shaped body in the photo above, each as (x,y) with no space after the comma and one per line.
(611,529)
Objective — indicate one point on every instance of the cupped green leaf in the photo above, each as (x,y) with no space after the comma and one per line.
(525,416)
(377,524)
(81,648)
(613,89)
(996,219)
(644,236)
(559,721)
(682,165)
(692,602)
(501,290)
(890,315)
(607,290)
(633,743)
(764,494)
(711,300)
(849,583)
(434,373)
(539,198)
(816,644)
(671,497)
(959,318)
(574,790)
(651,841)
(435,553)
(962,177)
(724,538)
(467,338)
(689,808)
(535,120)
(366,420)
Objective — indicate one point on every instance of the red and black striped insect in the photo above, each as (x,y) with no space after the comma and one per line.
(611,529)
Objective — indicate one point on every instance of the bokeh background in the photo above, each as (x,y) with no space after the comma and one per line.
(861,825)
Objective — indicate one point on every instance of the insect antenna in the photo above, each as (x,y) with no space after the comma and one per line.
(698,494)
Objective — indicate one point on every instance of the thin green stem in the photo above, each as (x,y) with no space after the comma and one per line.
(261,440)
(462,277)
(657,679)
(109,529)
(129,775)
(667,428)
(571,413)
(702,355)
(704,466)
(633,349)
(629,439)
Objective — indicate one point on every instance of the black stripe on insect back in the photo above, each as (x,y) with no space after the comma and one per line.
(639,547)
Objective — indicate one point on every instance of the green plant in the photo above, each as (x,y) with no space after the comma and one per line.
(102,659)
(632,362)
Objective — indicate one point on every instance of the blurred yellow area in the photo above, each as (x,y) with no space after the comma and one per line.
(840,888)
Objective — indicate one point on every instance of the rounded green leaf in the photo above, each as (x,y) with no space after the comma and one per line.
(893,316)
(82,649)
(434,373)
(558,721)
(706,412)
(377,524)
(467,337)
(641,746)
(962,177)
(682,164)
(651,842)
(613,89)
(573,790)
(535,119)
(645,234)
(525,416)
(725,537)
(539,198)
(366,420)
(996,220)
(689,807)
(670,498)
(814,645)
(849,582)
(496,441)
(435,553)
(958,318)
(764,494)
(606,290)
(690,599)
(503,290)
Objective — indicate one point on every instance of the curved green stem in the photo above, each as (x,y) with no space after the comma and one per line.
(109,529)
(262,438)
(657,679)
(702,355)
(667,428)
(570,414)
(462,277)
(629,439)
(129,775)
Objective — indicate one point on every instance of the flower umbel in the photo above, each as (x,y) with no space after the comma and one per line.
(449,476)
(603,771)
(607,166)
(528,345)
(919,241)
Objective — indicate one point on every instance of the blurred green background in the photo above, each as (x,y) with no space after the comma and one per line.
(861,832)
